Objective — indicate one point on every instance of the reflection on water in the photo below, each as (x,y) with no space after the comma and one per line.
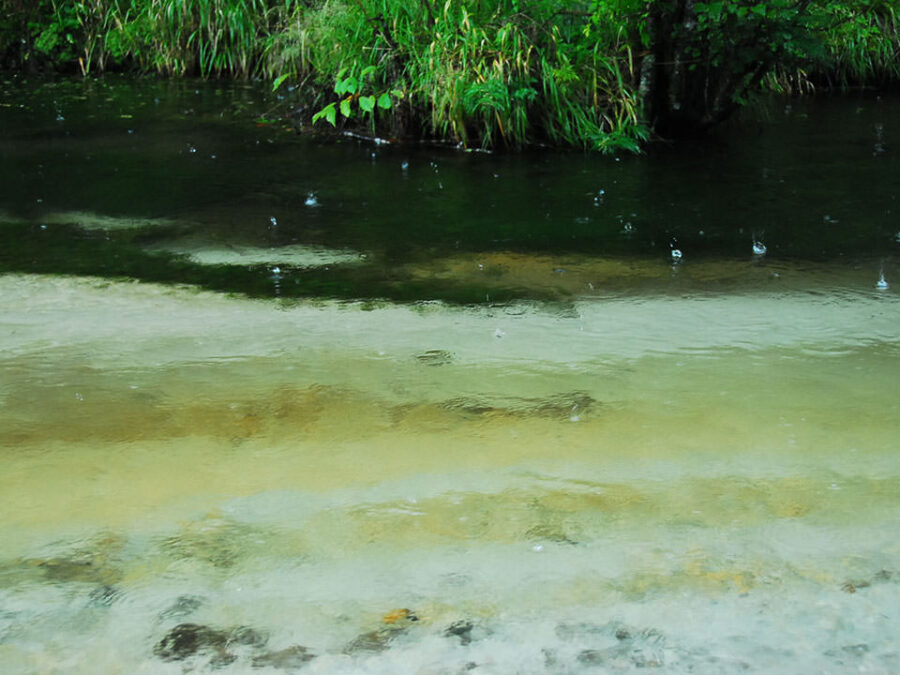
(267,406)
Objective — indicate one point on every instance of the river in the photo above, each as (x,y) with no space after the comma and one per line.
(277,403)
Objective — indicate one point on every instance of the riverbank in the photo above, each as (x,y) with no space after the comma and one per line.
(493,74)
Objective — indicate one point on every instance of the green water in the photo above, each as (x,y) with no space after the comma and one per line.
(202,167)
(467,388)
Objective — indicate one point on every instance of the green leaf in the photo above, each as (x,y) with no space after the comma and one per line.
(346,110)
(384,101)
(328,112)
(367,103)
(279,81)
(348,85)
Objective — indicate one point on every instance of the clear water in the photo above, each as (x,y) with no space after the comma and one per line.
(464,389)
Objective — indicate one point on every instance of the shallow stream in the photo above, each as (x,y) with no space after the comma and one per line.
(273,404)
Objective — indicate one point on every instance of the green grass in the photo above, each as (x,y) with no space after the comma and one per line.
(479,73)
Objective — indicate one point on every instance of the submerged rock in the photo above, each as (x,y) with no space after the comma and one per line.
(571,406)
(250,637)
(435,357)
(188,639)
(462,630)
(550,533)
(93,563)
(292,657)
(396,622)
(183,605)
(191,639)
(880,577)
(621,657)
(216,541)
(627,648)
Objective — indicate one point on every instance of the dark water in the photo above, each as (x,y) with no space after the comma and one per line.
(815,179)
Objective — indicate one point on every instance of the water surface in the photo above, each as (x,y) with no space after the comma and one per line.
(264,400)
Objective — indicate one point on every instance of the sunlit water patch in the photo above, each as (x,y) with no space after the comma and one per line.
(213,253)
(96,221)
(688,483)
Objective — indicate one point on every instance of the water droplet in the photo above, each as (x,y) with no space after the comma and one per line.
(60,118)
(192,149)
(404,166)
(273,221)
(311,199)
(759,248)
(676,252)
(881,284)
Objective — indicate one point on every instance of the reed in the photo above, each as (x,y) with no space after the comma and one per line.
(480,73)
(861,47)
(211,38)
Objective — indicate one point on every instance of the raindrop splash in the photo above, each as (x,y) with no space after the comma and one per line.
(276,280)
(676,252)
